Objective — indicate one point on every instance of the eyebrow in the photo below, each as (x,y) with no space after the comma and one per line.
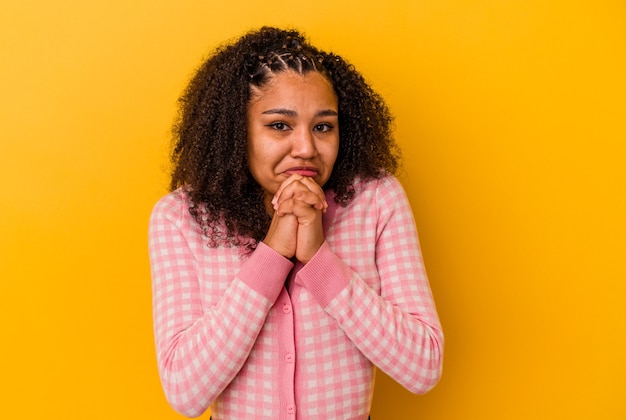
(291,113)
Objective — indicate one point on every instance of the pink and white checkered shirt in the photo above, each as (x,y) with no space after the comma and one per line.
(230,336)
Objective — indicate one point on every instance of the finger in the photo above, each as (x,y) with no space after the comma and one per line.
(294,186)
(298,190)
(293,178)
(311,198)
(288,189)
(315,187)
(304,205)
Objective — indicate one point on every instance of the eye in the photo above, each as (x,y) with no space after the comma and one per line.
(279,126)
(323,127)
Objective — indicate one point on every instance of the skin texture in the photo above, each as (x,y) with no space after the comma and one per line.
(293,141)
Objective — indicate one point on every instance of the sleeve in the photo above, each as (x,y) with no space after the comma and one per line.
(398,330)
(200,350)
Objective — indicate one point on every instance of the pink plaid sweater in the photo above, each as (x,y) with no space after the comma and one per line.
(231,336)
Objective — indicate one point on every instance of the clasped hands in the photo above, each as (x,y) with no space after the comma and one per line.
(296,228)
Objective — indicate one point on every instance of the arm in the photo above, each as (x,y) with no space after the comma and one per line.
(397,330)
(200,349)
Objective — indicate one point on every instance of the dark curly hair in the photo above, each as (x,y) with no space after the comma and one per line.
(209,157)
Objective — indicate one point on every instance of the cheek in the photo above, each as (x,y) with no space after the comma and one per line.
(331,152)
(256,149)
(263,155)
(254,161)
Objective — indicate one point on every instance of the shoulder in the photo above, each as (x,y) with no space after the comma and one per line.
(177,210)
(383,198)
(374,196)
(174,200)
(173,207)
(379,189)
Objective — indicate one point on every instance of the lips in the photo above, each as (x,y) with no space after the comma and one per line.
(304,171)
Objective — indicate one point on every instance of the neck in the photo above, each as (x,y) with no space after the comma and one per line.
(269,208)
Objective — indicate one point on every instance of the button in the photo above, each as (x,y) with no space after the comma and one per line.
(291,409)
(286,309)
(289,358)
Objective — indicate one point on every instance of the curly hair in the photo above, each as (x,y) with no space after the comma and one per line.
(209,155)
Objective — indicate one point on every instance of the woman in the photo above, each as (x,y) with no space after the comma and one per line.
(285,259)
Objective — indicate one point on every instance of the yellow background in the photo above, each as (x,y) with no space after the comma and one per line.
(512,119)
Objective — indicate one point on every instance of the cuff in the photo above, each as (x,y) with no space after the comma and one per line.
(325,275)
(265,271)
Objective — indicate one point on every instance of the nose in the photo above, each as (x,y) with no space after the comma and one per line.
(303,144)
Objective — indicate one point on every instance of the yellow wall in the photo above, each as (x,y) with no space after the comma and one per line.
(512,118)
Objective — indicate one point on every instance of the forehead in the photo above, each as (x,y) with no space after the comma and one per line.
(289,86)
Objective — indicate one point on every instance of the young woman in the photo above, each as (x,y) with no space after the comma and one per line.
(285,260)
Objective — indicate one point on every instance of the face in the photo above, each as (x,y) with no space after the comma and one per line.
(293,127)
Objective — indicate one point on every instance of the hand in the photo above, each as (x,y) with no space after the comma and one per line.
(301,187)
(282,233)
(302,198)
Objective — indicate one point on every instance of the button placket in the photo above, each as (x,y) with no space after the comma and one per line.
(286,348)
